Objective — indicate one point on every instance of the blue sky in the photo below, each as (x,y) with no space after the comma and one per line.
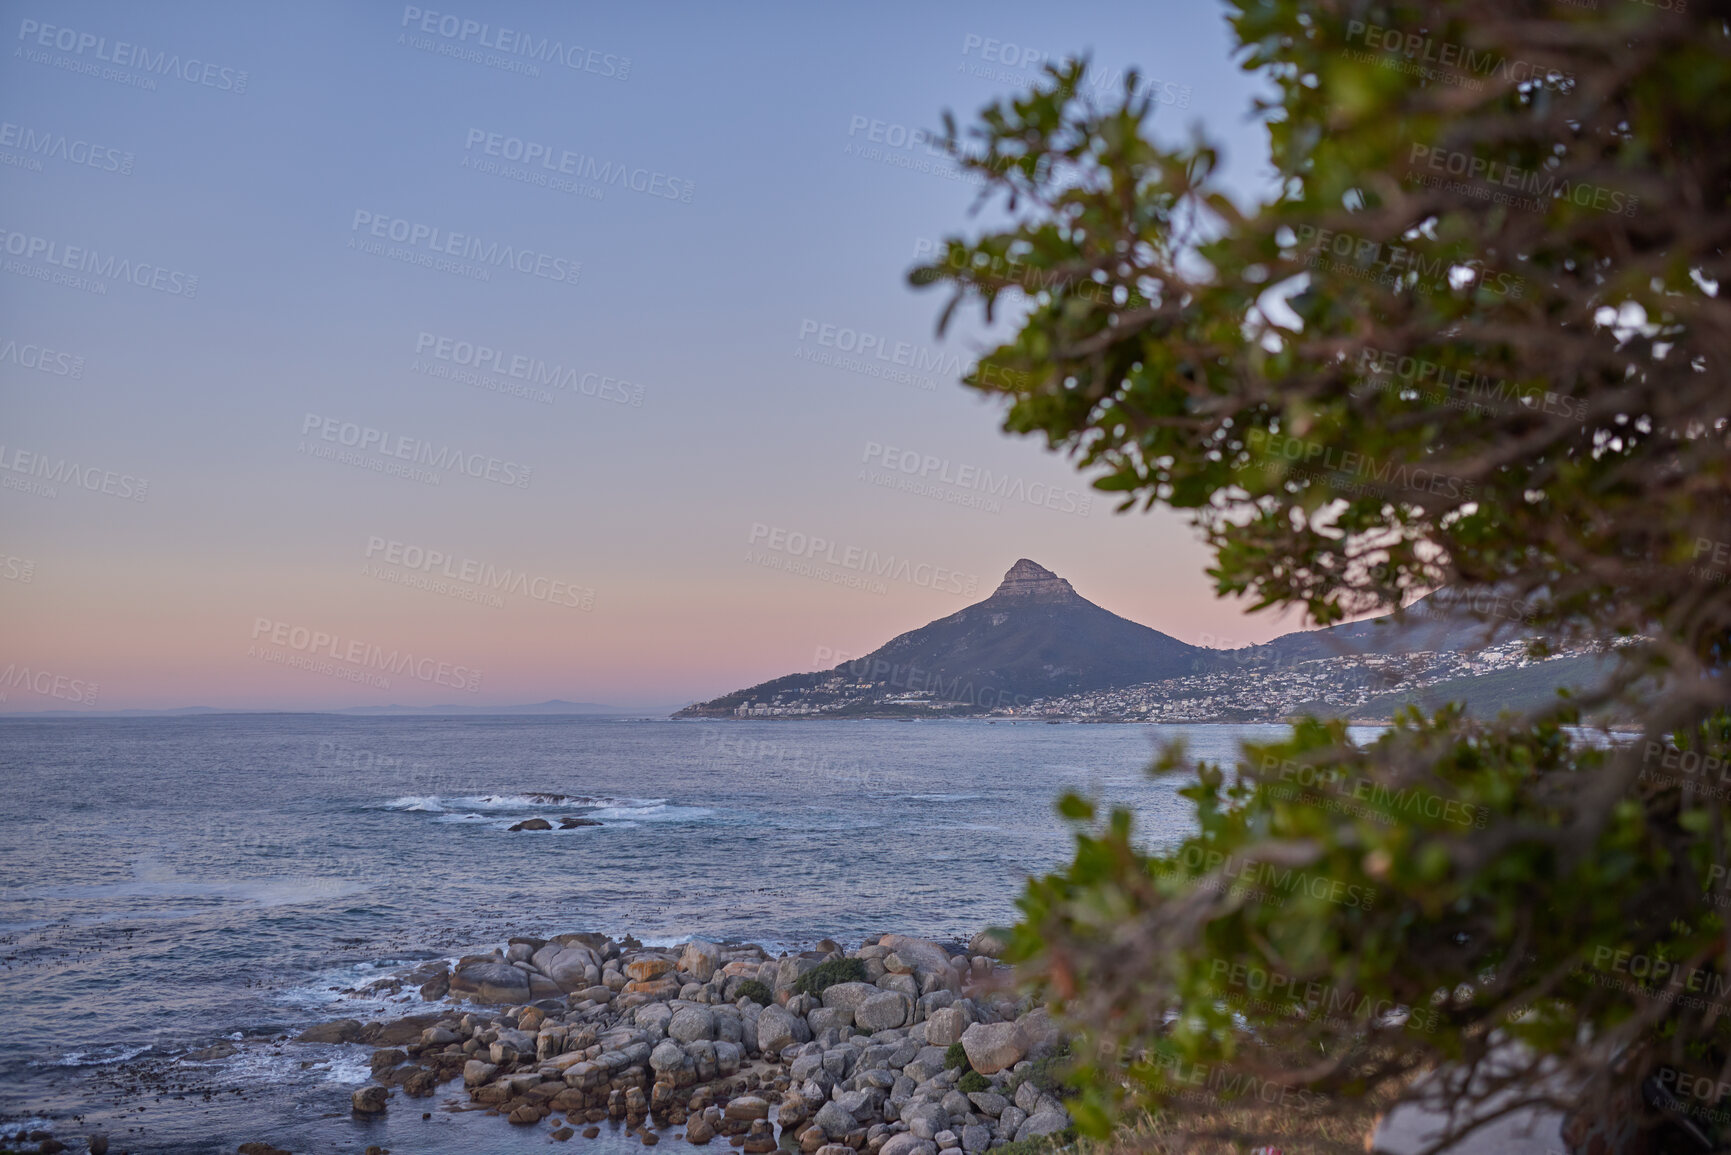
(662,413)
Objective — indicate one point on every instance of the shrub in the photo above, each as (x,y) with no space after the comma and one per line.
(973,1081)
(1049,1075)
(1040,1144)
(755,991)
(825,975)
(1522,858)
(955,1057)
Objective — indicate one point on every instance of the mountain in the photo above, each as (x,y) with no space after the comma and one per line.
(1440,622)
(1034,637)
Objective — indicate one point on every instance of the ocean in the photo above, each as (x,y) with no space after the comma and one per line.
(167,884)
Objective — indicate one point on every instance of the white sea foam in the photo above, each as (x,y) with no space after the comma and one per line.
(98,1058)
(651,810)
(437,804)
(415,802)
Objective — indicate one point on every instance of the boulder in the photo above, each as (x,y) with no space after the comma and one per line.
(533,824)
(1045,1123)
(976,1137)
(571,967)
(788,970)
(745,1108)
(689,1024)
(491,982)
(778,1028)
(907,1143)
(834,1119)
(700,959)
(989,1103)
(925,1120)
(666,1056)
(884,1010)
(386,1058)
(476,1072)
(665,987)
(1012,1118)
(645,969)
(905,984)
(699,1130)
(945,1026)
(994,1047)
(848,996)
(1041,1032)
(988,944)
(369,1100)
(922,957)
(829,1018)
(341,1031)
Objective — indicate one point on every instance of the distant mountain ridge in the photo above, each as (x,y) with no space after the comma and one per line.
(1440,621)
(1035,636)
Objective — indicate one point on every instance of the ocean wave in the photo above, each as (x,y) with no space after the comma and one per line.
(415,802)
(102,1057)
(650,810)
(266,1067)
(438,804)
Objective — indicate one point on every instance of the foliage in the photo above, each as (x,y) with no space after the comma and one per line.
(1051,1075)
(973,1081)
(1472,339)
(1039,1145)
(755,991)
(827,974)
(956,1056)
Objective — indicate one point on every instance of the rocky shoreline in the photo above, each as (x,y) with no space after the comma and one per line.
(901,1046)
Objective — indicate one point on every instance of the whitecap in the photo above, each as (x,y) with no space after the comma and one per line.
(430,802)
(653,810)
(100,1058)
(530,801)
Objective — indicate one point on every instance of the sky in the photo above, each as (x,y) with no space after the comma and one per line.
(355,354)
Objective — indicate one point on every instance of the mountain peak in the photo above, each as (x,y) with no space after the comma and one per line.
(1034,582)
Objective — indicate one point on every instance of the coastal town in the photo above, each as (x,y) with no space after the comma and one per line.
(1235,686)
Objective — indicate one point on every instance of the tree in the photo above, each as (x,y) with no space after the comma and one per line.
(1473,340)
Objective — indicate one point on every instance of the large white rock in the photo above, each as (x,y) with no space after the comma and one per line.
(994,1047)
